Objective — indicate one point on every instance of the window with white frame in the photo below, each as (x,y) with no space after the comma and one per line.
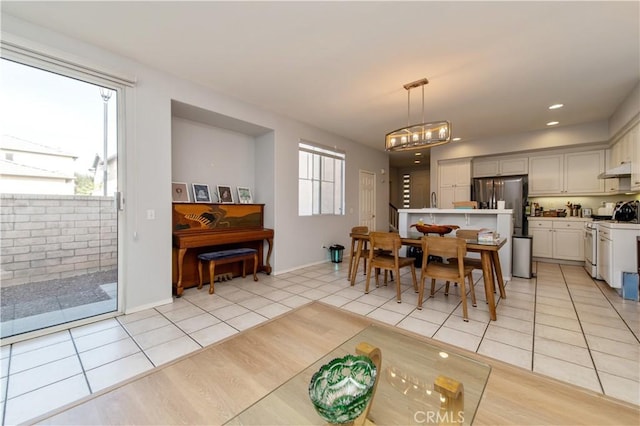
(406,191)
(320,180)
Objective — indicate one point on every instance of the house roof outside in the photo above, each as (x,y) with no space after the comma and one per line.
(12,143)
(29,160)
(10,168)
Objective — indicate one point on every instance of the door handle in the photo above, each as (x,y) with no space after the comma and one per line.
(119,200)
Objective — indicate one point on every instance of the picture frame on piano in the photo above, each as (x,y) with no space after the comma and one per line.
(225,196)
(244,195)
(180,192)
(201,193)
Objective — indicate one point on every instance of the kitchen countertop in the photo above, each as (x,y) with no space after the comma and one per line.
(457,211)
(604,223)
(566,218)
(620,225)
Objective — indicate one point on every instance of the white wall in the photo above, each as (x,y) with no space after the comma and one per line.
(146,255)
(213,156)
(627,112)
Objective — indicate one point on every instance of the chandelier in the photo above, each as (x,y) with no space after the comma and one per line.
(418,136)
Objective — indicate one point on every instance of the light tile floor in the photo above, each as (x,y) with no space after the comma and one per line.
(561,323)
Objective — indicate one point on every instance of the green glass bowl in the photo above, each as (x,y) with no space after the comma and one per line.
(342,388)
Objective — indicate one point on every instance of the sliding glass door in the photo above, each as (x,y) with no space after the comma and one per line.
(58,189)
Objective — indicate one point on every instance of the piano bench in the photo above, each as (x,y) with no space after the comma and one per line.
(226,256)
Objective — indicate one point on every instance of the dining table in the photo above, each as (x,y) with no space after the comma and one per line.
(490,261)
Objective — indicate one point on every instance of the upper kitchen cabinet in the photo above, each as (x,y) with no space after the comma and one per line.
(621,151)
(627,150)
(616,185)
(634,140)
(454,182)
(546,174)
(568,173)
(507,166)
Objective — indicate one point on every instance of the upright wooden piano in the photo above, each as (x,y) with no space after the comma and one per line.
(199,228)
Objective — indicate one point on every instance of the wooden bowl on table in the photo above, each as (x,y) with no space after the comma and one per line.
(434,229)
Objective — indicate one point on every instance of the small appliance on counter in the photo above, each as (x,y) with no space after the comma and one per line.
(626,211)
(607,210)
(586,212)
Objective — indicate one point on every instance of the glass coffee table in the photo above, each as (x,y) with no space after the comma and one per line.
(414,385)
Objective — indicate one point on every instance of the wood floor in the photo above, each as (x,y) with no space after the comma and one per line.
(213,385)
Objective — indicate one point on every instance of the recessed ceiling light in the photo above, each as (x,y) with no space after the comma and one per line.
(556,106)
(416,161)
(553,123)
(456,139)
(417,154)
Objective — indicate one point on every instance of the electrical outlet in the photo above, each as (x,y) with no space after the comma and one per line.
(151,214)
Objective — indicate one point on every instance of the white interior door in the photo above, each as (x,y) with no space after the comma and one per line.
(367,199)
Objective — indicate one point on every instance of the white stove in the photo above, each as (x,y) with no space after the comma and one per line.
(591,248)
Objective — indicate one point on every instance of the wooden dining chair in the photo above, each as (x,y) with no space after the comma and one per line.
(472,234)
(477,264)
(384,253)
(354,261)
(446,247)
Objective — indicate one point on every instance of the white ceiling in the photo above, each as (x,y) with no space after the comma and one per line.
(493,67)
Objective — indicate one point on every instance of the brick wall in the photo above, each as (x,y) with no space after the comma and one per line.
(45,237)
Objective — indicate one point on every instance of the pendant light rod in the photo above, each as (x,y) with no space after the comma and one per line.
(414,84)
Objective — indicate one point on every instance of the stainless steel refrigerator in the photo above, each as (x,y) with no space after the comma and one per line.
(512,189)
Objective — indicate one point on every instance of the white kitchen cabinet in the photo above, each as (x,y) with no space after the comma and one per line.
(568,240)
(568,173)
(546,174)
(621,151)
(542,233)
(450,194)
(626,149)
(617,244)
(581,170)
(508,166)
(634,142)
(454,180)
(557,239)
(614,185)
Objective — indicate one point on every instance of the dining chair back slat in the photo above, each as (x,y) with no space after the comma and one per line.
(384,253)
(446,248)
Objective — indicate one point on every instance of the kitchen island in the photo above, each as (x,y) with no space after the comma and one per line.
(500,221)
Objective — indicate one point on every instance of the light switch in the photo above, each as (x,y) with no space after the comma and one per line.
(151,214)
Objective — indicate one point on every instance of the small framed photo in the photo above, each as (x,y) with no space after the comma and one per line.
(201,193)
(244,195)
(180,192)
(224,194)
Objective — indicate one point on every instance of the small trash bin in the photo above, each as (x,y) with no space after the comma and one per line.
(415,252)
(630,286)
(336,253)
(521,257)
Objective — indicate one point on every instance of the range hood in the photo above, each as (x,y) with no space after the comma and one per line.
(621,171)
